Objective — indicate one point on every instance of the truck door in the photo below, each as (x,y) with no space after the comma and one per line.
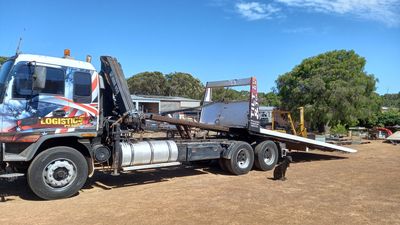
(78,103)
(24,108)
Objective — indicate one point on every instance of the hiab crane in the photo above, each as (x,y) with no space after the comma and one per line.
(59,118)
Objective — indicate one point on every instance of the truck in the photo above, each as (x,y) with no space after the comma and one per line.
(60,120)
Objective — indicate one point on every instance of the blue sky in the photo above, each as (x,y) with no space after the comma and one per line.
(211,39)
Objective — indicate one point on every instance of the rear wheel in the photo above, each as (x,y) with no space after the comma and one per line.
(222,164)
(58,172)
(266,155)
(241,160)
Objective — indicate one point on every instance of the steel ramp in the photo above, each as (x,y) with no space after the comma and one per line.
(304,141)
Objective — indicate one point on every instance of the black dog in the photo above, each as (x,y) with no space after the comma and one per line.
(280,170)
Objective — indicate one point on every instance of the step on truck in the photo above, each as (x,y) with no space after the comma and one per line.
(60,120)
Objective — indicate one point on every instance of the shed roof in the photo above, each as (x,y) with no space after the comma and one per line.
(163,98)
(266,108)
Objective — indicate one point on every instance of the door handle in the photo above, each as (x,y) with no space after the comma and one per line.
(59,113)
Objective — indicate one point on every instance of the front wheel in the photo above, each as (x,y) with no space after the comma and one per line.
(57,172)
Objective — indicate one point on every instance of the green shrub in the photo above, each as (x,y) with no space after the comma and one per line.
(389,118)
(339,129)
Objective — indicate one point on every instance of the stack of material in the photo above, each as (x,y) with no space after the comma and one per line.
(394,138)
(339,141)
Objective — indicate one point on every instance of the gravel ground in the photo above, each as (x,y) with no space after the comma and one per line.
(322,188)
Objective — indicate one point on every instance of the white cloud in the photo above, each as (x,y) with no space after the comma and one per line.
(256,10)
(385,11)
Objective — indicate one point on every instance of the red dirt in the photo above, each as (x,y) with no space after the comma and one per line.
(322,188)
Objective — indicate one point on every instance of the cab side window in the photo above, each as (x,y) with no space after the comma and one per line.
(55,80)
(82,87)
(22,81)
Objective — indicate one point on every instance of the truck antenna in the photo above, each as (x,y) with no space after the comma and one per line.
(19,45)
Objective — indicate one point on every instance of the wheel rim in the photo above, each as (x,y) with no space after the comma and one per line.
(243,159)
(268,156)
(59,173)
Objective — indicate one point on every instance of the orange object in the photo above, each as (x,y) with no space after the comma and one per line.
(67,52)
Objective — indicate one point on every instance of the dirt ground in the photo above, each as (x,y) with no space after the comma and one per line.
(322,188)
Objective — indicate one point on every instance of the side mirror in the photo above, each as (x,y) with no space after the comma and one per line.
(39,78)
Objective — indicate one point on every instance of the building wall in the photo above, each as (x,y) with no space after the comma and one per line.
(188,104)
(169,106)
(148,107)
(158,104)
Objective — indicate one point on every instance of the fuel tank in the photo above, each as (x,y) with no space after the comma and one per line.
(148,152)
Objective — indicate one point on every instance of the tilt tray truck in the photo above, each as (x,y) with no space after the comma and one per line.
(60,120)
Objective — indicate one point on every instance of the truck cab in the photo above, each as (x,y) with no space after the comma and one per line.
(66,102)
(44,100)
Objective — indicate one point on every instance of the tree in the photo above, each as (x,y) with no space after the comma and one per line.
(269,99)
(2,59)
(391,100)
(389,118)
(173,84)
(228,94)
(148,83)
(333,87)
(184,85)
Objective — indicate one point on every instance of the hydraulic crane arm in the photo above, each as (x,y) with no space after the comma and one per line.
(112,71)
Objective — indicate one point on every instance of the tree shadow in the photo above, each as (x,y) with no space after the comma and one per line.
(301,157)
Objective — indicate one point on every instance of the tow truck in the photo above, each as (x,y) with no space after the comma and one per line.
(60,120)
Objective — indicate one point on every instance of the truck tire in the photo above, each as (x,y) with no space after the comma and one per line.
(242,158)
(266,155)
(222,164)
(57,172)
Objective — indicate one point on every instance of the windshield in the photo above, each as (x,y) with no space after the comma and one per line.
(4,71)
